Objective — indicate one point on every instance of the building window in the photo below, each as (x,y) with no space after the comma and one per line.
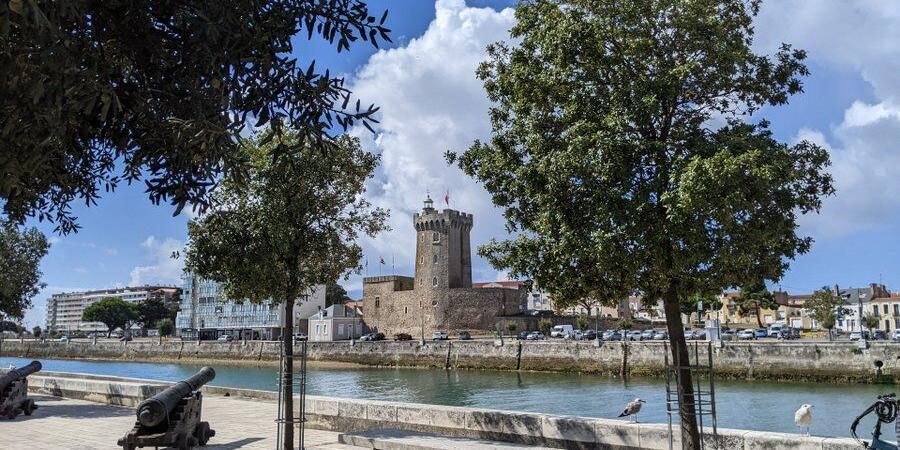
(340,329)
(377,302)
(435,237)
(406,310)
(896,309)
(884,308)
(434,282)
(434,259)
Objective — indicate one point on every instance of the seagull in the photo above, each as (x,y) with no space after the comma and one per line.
(803,417)
(632,409)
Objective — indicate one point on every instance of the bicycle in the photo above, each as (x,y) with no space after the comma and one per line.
(886,409)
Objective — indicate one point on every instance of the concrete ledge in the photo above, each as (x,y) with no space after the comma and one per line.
(352,415)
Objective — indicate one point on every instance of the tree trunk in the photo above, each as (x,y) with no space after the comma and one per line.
(759,315)
(690,435)
(287,387)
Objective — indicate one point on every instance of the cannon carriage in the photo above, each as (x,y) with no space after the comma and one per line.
(172,417)
(14,391)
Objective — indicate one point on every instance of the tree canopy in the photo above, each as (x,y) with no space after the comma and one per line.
(160,92)
(112,312)
(623,157)
(292,224)
(21,252)
(152,310)
(825,307)
(335,294)
(754,297)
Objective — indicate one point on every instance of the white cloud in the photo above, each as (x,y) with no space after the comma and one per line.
(864,160)
(855,36)
(162,268)
(432,102)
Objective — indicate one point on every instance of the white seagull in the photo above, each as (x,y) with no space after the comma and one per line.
(632,409)
(803,417)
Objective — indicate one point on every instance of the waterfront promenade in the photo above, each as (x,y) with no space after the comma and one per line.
(63,423)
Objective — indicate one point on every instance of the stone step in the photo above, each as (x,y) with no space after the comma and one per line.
(390,439)
(336,446)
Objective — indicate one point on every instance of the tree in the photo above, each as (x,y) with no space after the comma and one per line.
(112,312)
(151,310)
(165,327)
(870,321)
(545,325)
(8,325)
(335,294)
(620,156)
(96,93)
(36,332)
(20,276)
(511,327)
(825,307)
(291,225)
(754,297)
(583,322)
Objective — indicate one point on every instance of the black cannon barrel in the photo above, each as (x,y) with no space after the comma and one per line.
(156,409)
(18,373)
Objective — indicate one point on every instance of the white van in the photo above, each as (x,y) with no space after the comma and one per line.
(775,330)
(561,331)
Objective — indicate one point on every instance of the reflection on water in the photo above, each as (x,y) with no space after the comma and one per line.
(747,405)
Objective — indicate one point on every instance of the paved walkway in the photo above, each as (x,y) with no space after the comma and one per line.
(61,423)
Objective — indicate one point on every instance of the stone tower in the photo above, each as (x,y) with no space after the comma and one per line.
(443,253)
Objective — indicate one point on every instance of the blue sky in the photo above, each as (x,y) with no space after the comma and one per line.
(431,102)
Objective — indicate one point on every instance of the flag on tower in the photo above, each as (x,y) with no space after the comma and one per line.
(447,197)
(382,260)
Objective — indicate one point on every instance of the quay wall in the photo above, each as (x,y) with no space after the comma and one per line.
(787,361)
(350,415)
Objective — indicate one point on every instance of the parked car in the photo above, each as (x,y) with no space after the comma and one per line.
(439,336)
(633,335)
(761,333)
(225,338)
(746,335)
(857,335)
(879,335)
(700,334)
(536,336)
(646,335)
(560,331)
(64,339)
(465,336)
(373,337)
(789,333)
(589,335)
(660,335)
(573,336)
(895,336)
(523,335)
(775,330)
(689,335)
(299,337)
(402,337)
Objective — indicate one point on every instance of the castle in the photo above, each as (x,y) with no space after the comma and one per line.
(440,296)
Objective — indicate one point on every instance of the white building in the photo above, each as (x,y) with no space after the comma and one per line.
(335,323)
(856,301)
(64,311)
(206,314)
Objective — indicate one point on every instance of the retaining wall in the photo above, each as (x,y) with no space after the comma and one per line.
(796,360)
(348,415)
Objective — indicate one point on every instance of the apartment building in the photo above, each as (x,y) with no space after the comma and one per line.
(64,310)
(205,313)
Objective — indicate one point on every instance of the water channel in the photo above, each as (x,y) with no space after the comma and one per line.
(741,404)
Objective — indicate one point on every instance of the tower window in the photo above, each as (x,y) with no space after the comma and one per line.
(434,282)
(436,237)
(434,259)
(406,310)
(377,302)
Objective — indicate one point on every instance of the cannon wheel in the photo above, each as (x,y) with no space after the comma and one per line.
(28,407)
(202,433)
(182,442)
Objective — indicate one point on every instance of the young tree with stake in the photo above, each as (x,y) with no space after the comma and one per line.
(619,153)
(292,224)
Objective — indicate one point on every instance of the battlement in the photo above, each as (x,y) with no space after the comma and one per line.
(433,219)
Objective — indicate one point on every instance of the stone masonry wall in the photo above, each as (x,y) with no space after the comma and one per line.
(841,362)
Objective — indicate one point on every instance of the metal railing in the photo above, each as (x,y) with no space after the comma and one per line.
(702,397)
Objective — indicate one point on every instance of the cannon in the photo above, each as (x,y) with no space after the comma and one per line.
(172,417)
(14,391)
